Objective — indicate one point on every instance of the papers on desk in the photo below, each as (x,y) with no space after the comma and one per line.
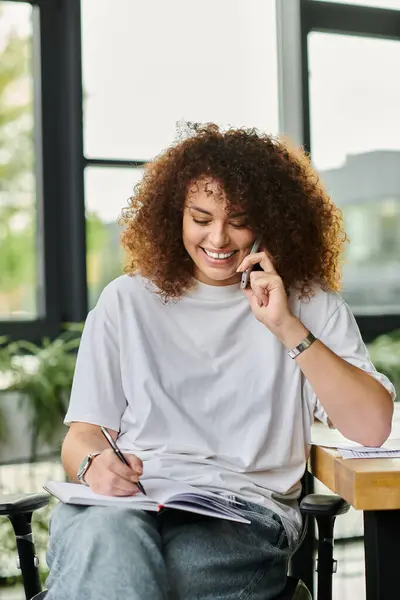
(364,452)
(349,449)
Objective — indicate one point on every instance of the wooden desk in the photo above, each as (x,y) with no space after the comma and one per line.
(366,484)
(371,485)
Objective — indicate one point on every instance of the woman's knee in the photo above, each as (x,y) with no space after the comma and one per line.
(95,524)
(128,531)
(116,522)
(106,548)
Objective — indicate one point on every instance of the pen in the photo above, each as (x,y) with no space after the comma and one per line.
(119,454)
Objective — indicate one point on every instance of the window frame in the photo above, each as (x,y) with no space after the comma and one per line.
(61,223)
(59,173)
(346,19)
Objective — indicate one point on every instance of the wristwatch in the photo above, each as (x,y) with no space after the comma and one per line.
(306,343)
(83,467)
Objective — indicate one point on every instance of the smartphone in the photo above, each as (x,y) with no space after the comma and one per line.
(246,274)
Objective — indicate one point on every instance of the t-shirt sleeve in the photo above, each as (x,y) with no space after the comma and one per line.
(97,395)
(342,335)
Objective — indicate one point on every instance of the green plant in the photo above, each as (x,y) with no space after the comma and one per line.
(42,374)
(385,354)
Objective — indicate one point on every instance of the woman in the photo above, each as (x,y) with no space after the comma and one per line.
(193,375)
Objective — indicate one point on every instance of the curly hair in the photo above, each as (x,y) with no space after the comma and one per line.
(274,184)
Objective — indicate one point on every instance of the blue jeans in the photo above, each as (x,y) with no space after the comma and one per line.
(109,553)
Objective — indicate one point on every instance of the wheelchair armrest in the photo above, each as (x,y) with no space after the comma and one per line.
(323,505)
(16,504)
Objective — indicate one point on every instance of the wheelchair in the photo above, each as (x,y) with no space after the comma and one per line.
(323,508)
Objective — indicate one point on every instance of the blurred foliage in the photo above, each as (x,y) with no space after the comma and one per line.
(104,255)
(385,354)
(18,229)
(42,374)
(16,119)
(17,222)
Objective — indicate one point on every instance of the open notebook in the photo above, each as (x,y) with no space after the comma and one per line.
(160,493)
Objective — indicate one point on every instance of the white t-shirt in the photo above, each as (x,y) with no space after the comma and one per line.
(204,393)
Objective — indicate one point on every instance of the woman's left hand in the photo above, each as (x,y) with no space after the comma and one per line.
(266,293)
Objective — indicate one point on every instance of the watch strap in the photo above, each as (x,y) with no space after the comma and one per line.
(83,467)
(304,344)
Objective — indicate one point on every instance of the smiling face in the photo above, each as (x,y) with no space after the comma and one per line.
(215,235)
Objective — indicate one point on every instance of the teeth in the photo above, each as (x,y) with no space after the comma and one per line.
(218,255)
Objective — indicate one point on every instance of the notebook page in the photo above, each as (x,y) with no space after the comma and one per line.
(209,504)
(75,493)
(175,494)
(369,453)
(182,496)
(198,500)
(158,490)
(167,489)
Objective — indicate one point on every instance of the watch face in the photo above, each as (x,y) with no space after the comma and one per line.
(83,466)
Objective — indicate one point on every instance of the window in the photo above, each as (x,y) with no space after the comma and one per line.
(20,259)
(355,143)
(142,75)
(106,191)
(167,61)
(196,61)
